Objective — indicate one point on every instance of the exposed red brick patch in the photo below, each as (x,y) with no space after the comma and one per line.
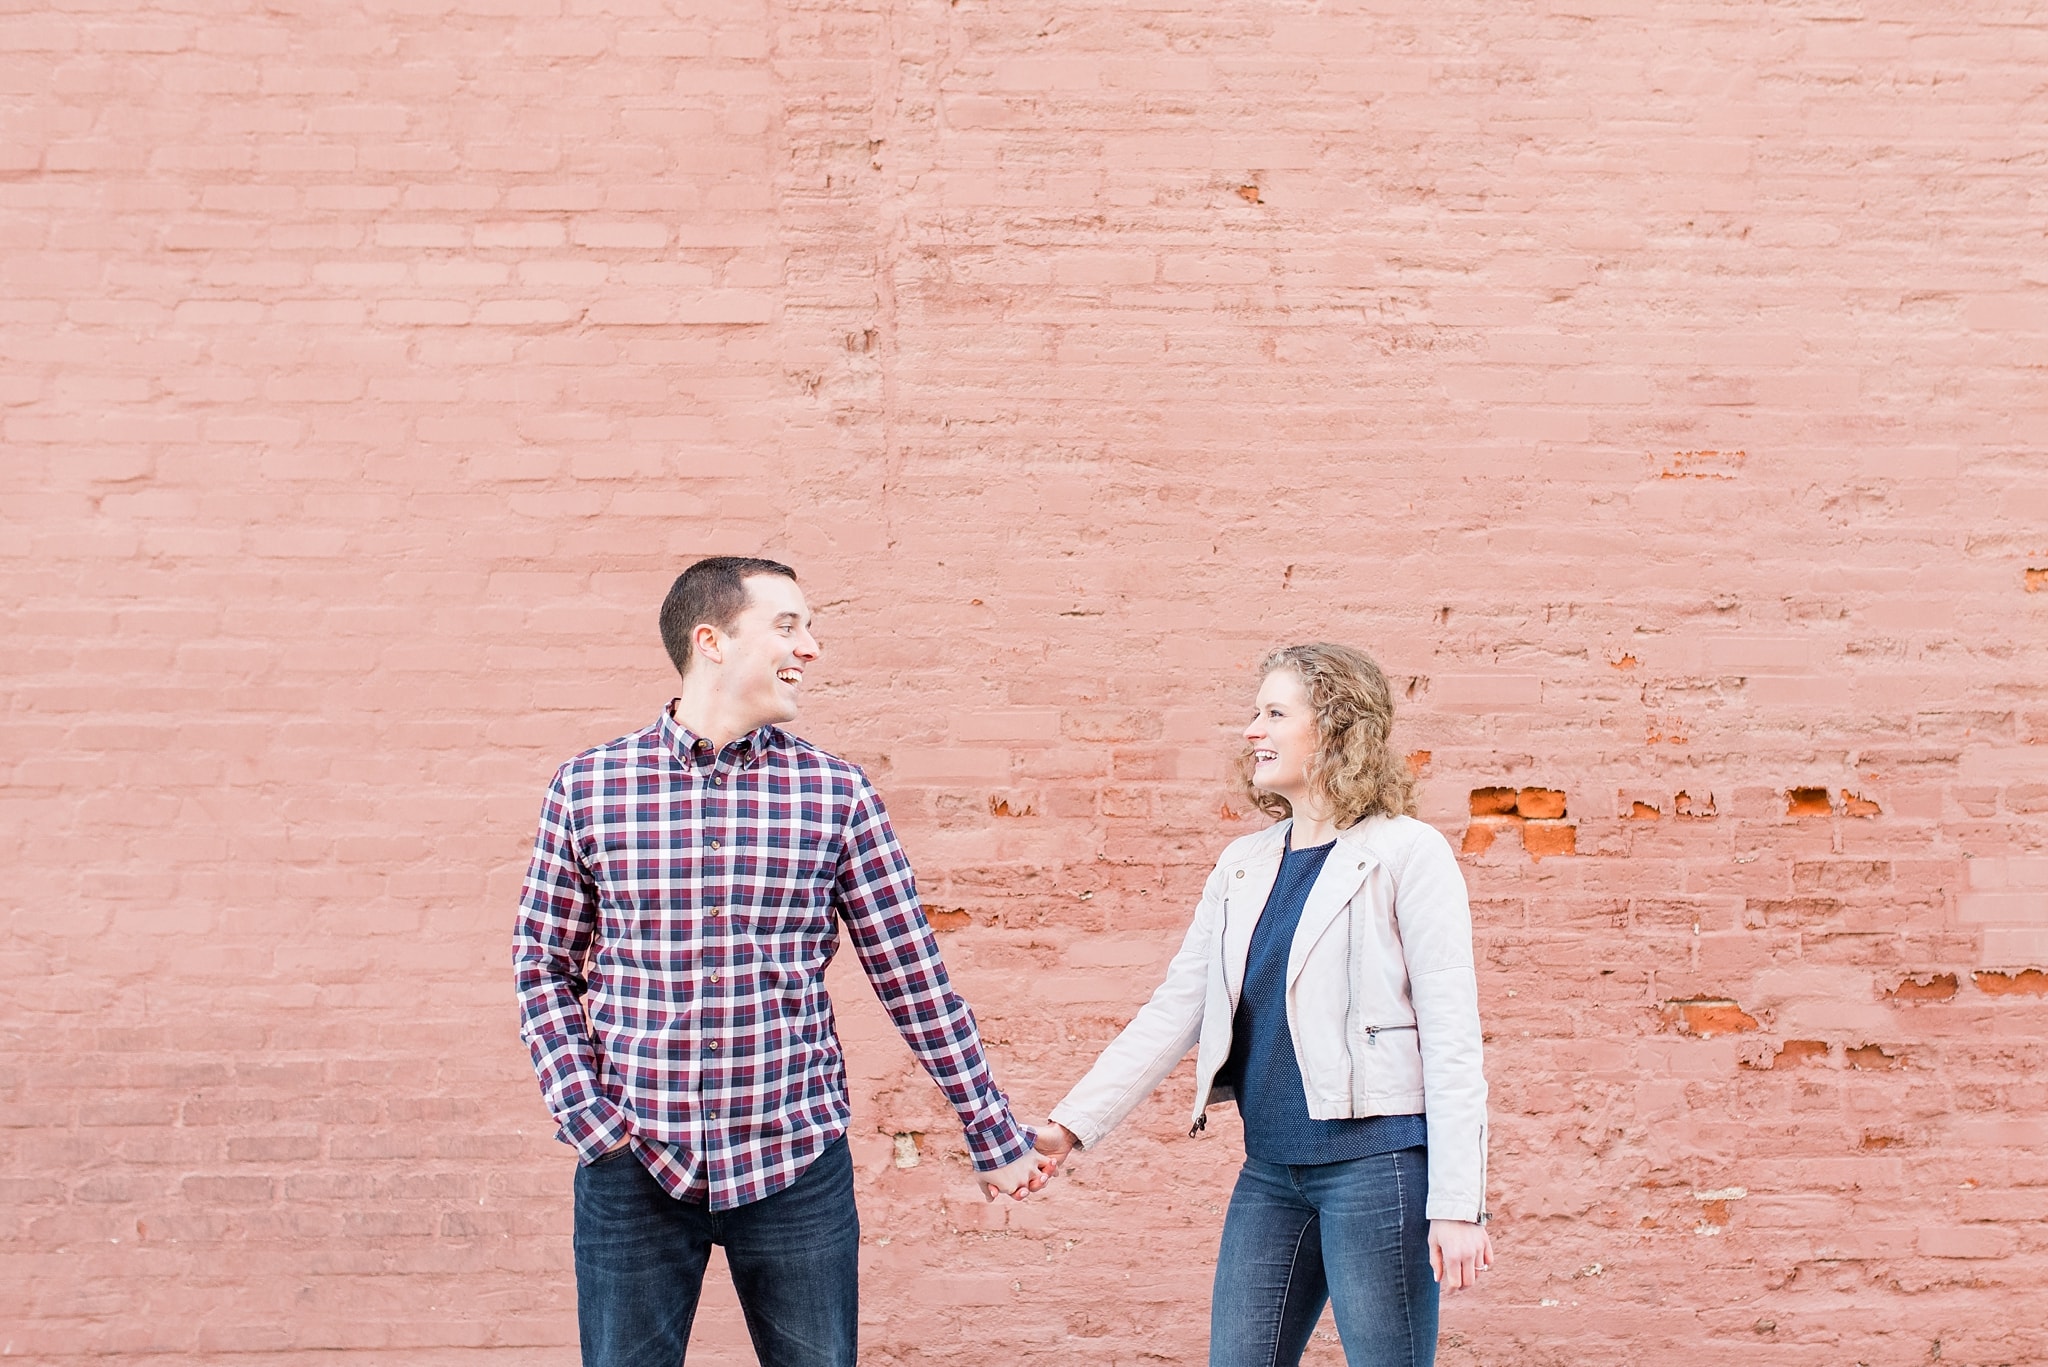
(1685,804)
(1493,802)
(1805,802)
(1859,806)
(1550,837)
(1625,662)
(1714,1204)
(940,918)
(1704,464)
(1929,987)
(1642,811)
(1707,1016)
(1872,1058)
(1418,763)
(1535,811)
(1794,1053)
(1480,835)
(1011,804)
(1249,194)
(2028,982)
(2037,581)
(1874,1140)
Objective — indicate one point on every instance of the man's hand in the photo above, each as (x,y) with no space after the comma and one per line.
(1015,1181)
(1459,1250)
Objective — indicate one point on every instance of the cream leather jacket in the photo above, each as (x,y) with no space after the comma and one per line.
(1381,999)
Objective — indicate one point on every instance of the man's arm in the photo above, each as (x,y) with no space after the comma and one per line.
(877,899)
(557,916)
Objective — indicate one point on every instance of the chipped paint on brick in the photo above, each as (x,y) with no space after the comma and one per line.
(1707,1016)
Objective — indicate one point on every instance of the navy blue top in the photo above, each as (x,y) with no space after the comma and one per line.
(1262,1065)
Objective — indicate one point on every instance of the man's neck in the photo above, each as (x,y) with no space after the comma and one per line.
(704,717)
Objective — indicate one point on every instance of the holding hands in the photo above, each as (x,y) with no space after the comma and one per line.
(1034,1170)
(1055,1141)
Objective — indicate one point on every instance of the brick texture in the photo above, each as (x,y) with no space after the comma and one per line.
(1656,388)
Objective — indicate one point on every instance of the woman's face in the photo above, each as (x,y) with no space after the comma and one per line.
(1282,736)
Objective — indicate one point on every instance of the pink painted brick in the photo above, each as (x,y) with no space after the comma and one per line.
(368,381)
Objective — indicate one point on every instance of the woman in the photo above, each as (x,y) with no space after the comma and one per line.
(1328,980)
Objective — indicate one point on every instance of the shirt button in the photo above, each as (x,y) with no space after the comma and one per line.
(718,782)
(714,977)
(714,1115)
(715,845)
(1240,873)
(714,911)
(714,1044)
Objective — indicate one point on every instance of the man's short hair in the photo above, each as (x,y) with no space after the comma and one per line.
(711,592)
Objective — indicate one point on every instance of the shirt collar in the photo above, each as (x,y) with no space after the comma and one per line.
(694,751)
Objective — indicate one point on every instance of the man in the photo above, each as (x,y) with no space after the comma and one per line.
(687,889)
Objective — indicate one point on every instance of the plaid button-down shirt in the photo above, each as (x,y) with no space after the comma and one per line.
(670,957)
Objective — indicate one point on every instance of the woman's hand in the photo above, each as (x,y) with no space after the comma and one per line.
(1055,1141)
(1459,1250)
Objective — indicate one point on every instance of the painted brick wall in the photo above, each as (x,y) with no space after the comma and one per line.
(1658,389)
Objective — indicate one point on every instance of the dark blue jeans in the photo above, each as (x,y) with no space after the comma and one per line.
(1352,1235)
(640,1256)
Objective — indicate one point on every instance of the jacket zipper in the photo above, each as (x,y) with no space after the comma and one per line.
(1372,1032)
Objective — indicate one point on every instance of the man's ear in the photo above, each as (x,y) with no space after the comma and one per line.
(706,642)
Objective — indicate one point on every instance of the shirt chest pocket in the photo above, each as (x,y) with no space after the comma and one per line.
(785,884)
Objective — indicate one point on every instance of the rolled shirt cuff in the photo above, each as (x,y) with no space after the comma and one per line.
(999,1143)
(593,1130)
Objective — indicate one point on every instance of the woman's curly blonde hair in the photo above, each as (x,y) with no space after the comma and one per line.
(1354,763)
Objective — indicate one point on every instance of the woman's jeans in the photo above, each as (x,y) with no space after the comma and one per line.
(640,1256)
(1353,1234)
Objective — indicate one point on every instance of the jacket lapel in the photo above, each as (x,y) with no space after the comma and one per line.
(1244,901)
(1344,872)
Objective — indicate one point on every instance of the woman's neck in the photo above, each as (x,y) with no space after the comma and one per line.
(1311,828)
